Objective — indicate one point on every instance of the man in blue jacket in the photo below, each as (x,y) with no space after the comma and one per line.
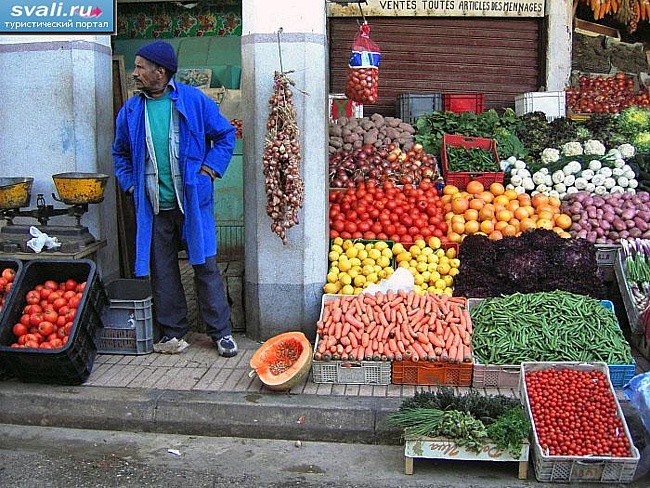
(171,142)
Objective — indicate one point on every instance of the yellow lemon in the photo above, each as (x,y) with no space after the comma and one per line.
(434,242)
(332,277)
(377,268)
(336,248)
(359,280)
(403,256)
(435,276)
(440,252)
(403,264)
(443,260)
(359,245)
(354,272)
(347,244)
(432,267)
(367,269)
(362,254)
(338,241)
(426,276)
(398,248)
(427,251)
(420,243)
(368,262)
(415,250)
(374,254)
(453,272)
(433,258)
(381,245)
(418,279)
(347,290)
(421,267)
(440,284)
(387,252)
(355,262)
(345,279)
(422,258)
(383,261)
(451,252)
(449,280)
(372,278)
(417,289)
(332,288)
(352,252)
(333,256)
(345,265)
(454,262)
(448,291)
(443,268)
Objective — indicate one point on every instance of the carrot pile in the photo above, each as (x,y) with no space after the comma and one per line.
(395,326)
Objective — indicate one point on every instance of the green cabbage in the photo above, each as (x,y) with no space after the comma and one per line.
(641,142)
(634,120)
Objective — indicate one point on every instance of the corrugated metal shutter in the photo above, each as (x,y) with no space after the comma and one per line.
(497,57)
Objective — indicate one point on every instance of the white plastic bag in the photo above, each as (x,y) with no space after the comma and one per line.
(41,240)
(401,279)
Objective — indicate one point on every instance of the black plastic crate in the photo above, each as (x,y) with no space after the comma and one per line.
(71,364)
(413,105)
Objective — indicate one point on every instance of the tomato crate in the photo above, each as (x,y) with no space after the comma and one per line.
(72,363)
(128,319)
(568,469)
(431,373)
(412,105)
(463,102)
(17,266)
(460,179)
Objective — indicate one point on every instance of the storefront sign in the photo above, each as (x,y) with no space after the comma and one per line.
(58,16)
(439,8)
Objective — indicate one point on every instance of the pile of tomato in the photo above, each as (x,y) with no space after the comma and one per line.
(387,212)
(605,94)
(575,413)
(48,314)
(6,282)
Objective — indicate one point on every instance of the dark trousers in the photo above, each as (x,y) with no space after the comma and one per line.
(169,299)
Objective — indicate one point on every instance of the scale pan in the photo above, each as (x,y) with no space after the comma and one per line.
(80,188)
(15,192)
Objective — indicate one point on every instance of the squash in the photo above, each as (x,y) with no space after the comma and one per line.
(282,361)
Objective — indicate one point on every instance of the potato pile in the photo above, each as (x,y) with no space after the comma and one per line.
(376,130)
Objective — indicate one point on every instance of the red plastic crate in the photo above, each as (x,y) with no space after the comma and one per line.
(462,178)
(431,373)
(463,102)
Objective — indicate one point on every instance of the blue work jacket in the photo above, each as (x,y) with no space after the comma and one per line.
(207,138)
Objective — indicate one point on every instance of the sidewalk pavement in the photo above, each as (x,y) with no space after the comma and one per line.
(198,392)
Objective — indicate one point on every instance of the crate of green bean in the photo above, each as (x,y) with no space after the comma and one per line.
(545,326)
(467,158)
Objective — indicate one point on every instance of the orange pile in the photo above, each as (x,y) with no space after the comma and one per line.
(497,212)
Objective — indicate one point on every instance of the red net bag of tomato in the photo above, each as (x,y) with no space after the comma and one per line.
(363,68)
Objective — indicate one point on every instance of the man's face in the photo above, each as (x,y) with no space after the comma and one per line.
(148,76)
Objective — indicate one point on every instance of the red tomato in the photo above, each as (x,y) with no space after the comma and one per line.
(74,302)
(45,328)
(45,345)
(51,284)
(9,274)
(54,295)
(61,332)
(35,337)
(44,293)
(56,343)
(33,297)
(68,328)
(71,285)
(19,329)
(60,321)
(58,303)
(35,319)
(31,344)
(50,315)
(24,319)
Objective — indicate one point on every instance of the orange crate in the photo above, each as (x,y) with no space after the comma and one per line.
(463,102)
(433,373)
(460,179)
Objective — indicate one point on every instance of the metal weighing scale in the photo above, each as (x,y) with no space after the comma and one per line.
(77,190)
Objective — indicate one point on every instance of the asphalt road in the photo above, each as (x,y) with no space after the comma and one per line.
(47,457)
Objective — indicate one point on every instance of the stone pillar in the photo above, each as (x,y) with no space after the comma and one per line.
(57,116)
(282,283)
(559,36)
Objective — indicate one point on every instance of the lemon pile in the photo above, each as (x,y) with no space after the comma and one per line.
(354,265)
(432,267)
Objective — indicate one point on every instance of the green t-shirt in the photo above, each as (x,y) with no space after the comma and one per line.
(159,111)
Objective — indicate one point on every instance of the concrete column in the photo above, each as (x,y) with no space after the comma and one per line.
(57,116)
(559,37)
(282,283)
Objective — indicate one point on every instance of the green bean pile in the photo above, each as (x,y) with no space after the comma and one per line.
(546,326)
(471,159)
